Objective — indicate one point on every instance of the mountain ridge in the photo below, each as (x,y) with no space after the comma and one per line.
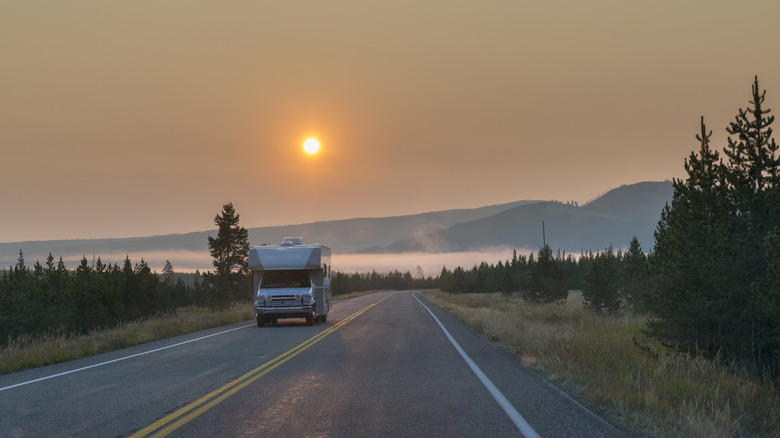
(612,218)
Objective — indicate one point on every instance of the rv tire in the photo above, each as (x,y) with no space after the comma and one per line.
(260,322)
(310,319)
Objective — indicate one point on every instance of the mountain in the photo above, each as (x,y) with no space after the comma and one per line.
(343,236)
(612,219)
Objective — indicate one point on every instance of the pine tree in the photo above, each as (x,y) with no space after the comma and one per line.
(768,304)
(547,282)
(712,290)
(636,278)
(600,292)
(167,271)
(230,250)
(687,300)
(753,189)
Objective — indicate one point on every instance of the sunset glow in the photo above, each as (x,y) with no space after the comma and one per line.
(406,109)
(311,146)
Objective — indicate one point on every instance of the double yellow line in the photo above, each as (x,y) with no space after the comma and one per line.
(171,422)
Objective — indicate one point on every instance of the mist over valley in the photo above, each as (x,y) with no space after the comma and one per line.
(461,237)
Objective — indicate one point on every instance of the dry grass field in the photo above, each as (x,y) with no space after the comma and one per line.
(30,352)
(595,357)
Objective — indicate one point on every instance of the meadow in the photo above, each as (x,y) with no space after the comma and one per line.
(606,362)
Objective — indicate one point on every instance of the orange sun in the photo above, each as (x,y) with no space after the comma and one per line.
(311,146)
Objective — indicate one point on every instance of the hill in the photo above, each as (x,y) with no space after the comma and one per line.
(612,218)
(343,236)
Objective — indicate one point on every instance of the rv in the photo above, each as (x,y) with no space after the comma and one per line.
(291,280)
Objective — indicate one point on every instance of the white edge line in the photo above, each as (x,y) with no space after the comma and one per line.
(510,410)
(121,358)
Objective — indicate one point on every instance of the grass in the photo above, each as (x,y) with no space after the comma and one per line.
(30,352)
(664,394)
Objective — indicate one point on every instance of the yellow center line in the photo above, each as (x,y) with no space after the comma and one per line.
(175,420)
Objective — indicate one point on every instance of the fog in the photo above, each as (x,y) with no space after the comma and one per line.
(431,263)
(188,261)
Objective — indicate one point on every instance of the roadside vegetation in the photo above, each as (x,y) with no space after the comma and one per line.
(31,351)
(651,390)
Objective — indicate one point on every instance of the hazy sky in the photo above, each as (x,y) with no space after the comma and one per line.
(132,118)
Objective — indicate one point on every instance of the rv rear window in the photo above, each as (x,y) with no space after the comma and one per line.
(278,279)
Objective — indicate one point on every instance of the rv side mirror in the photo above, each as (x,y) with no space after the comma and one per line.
(326,282)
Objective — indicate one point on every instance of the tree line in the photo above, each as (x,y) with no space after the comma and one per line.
(51,298)
(610,281)
(343,283)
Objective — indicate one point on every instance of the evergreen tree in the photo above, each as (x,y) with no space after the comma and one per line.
(753,189)
(230,250)
(688,298)
(711,287)
(600,291)
(636,278)
(547,282)
(167,271)
(768,303)
(168,268)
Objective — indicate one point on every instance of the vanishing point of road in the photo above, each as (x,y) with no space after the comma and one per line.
(384,365)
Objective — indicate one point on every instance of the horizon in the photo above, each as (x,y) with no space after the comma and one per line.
(328,220)
(355,244)
(132,120)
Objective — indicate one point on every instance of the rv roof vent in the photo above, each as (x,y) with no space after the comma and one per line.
(289,241)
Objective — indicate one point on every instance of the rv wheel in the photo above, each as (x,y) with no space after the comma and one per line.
(260,322)
(309,319)
(324,318)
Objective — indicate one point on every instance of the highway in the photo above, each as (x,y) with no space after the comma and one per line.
(383,365)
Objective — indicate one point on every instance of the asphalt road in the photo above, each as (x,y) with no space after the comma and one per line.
(381,366)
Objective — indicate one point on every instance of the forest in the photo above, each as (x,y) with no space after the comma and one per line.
(50,298)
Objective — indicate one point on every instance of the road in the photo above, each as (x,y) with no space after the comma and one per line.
(383,365)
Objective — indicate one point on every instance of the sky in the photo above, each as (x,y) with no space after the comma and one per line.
(137,118)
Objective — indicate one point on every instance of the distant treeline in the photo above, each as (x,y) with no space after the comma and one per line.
(52,298)
(611,281)
(343,283)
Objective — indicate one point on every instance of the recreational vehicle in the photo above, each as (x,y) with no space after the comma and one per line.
(291,280)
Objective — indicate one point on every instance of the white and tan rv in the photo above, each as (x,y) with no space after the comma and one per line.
(291,280)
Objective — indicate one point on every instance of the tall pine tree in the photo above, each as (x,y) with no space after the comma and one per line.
(753,189)
(230,250)
(600,292)
(690,288)
(711,292)
(636,279)
(547,283)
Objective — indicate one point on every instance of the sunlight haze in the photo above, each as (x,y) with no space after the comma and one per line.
(122,119)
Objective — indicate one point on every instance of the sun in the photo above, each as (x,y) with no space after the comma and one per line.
(311,146)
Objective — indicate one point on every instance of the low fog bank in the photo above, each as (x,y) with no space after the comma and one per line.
(429,264)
